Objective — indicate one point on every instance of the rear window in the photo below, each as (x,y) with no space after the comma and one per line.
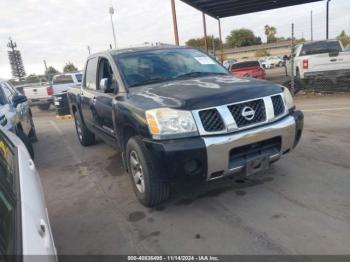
(320,48)
(63,79)
(245,64)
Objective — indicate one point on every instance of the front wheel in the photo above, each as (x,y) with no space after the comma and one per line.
(148,188)
(85,136)
(27,142)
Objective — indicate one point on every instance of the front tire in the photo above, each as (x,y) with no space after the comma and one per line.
(147,186)
(85,136)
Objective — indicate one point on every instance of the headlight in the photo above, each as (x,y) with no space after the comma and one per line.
(288,99)
(166,123)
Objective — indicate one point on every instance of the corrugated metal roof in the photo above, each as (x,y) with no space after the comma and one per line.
(225,8)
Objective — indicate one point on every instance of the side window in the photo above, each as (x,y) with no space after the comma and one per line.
(7,198)
(105,71)
(79,77)
(2,96)
(8,93)
(90,74)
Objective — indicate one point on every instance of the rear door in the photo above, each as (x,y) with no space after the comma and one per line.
(88,92)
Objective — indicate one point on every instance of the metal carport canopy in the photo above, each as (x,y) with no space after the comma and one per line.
(226,8)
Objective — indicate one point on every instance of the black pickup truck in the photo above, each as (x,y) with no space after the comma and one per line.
(176,112)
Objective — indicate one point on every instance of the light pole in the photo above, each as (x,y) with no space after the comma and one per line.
(327,22)
(111,12)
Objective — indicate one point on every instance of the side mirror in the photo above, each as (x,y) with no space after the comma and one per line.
(18,99)
(108,86)
(105,84)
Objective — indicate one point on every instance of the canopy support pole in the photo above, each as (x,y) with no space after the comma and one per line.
(205,33)
(176,32)
(221,43)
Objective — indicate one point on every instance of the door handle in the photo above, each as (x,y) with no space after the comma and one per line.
(42,228)
(333,60)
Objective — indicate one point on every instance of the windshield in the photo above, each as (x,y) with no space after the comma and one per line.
(320,47)
(146,67)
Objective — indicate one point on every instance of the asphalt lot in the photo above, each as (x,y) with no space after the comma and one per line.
(300,206)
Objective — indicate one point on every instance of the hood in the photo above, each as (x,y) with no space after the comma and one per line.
(201,92)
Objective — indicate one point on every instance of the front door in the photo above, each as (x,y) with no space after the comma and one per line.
(104,98)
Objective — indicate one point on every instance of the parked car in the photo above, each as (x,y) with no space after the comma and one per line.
(61,82)
(248,69)
(39,94)
(228,63)
(273,61)
(24,222)
(322,60)
(15,114)
(175,112)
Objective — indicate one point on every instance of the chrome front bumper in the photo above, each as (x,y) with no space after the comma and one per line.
(219,147)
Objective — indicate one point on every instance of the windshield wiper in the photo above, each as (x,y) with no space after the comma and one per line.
(197,74)
(151,81)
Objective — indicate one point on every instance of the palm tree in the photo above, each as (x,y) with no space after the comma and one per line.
(270,32)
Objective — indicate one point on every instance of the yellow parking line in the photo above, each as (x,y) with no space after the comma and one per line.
(64,117)
(325,109)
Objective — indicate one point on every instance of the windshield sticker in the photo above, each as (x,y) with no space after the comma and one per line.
(203,60)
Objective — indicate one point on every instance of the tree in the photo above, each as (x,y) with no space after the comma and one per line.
(242,37)
(261,53)
(51,71)
(270,32)
(69,67)
(200,43)
(32,78)
(344,38)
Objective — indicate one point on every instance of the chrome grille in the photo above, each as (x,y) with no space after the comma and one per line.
(211,120)
(229,118)
(237,112)
(278,105)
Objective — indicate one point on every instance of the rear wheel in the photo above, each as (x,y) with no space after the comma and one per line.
(32,133)
(44,106)
(27,142)
(148,188)
(85,136)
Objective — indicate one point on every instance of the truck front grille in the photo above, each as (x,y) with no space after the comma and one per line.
(278,105)
(257,106)
(235,117)
(211,120)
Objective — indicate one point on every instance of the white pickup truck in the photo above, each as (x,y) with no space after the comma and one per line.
(39,94)
(323,61)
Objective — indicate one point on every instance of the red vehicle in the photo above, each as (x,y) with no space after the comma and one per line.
(248,69)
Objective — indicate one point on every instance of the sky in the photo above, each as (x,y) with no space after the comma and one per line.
(59,31)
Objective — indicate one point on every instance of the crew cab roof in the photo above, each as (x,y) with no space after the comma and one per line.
(136,49)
